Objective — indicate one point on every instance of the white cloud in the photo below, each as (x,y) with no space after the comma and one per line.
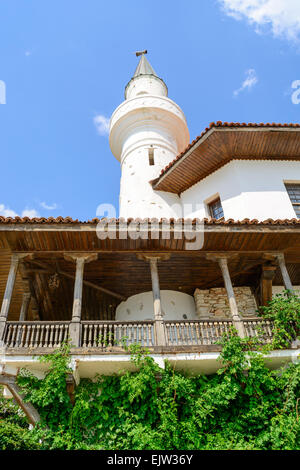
(281,17)
(102,124)
(250,81)
(28,53)
(30,213)
(6,212)
(48,207)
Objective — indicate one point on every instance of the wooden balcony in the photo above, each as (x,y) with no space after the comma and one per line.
(115,337)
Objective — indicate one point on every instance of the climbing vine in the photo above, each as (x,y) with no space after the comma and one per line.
(244,405)
(284,311)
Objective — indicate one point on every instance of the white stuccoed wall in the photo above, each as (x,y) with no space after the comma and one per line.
(252,189)
(174,304)
(280,289)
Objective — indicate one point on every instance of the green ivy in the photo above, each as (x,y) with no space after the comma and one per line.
(284,311)
(244,405)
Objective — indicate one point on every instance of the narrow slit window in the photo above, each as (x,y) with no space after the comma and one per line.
(216,209)
(151,156)
(293,191)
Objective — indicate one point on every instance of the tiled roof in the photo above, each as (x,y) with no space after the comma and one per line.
(215,147)
(219,124)
(69,220)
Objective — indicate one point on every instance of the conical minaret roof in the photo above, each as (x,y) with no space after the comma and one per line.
(145,81)
(144,68)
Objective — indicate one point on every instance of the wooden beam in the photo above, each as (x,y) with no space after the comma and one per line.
(87,283)
(284,272)
(244,270)
(29,410)
(29,289)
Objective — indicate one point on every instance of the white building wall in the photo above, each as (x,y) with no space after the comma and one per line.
(280,289)
(252,189)
(174,306)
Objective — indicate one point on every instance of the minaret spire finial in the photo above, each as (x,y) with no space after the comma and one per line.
(139,53)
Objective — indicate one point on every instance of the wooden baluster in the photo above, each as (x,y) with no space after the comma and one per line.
(150,338)
(138,333)
(144,335)
(115,338)
(175,334)
(10,336)
(56,334)
(46,342)
(105,336)
(84,336)
(110,335)
(96,336)
(135,339)
(42,333)
(60,337)
(32,336)
(27,337)
(100,336)
(90,343)
(67,332)
(14,336)
(207,333)
(37,336)
(197,333)
(167,326)
(269,330)
(129,332)
(51,336)
(195,338)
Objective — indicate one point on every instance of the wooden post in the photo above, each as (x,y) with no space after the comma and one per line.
(75,325)
(160,335)
(9,291)
(25,304)
(285,275)
(267,276)
(231,297)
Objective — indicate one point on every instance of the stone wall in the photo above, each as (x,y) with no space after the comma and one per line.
(213,303)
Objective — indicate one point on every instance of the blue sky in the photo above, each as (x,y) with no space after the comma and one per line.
(65,62)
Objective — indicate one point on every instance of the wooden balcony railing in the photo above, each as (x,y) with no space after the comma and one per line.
(101,334)
(259,327)
(195,332)
(35,334)
(112,335)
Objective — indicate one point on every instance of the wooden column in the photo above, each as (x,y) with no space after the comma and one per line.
(160,334)
(9,291)
(266,281)
(75,325)
(159,327)
(284,272)
(24,307)
(231,297)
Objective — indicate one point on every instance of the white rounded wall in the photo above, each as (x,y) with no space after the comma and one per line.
(175,306)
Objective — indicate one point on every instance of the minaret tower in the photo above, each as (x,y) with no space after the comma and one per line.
(147,131)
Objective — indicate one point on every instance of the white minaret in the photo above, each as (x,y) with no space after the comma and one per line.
(147,131)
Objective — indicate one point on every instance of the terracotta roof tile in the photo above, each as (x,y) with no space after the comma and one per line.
(69,220)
